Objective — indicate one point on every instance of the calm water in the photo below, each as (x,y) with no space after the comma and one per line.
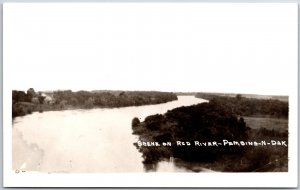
(95,140)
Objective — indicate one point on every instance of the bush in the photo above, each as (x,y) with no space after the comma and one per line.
(135,122)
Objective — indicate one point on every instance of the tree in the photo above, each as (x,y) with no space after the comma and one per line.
(30,94)
(31,91)
(41,99)
(135,122)
(18,96)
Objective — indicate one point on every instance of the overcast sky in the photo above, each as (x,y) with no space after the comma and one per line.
(244,48)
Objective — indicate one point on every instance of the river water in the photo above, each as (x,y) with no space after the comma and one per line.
(94,140)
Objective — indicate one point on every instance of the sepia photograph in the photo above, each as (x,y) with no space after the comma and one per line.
(65,131)
(131,93)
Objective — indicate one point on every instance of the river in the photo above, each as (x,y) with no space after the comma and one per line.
(93,140)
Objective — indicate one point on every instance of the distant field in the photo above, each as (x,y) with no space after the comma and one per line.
(256,96)
(268,123)
(281,98)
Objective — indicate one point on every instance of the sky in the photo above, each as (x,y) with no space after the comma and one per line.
(187,47)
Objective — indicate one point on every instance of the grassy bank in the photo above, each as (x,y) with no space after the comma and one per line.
(277,124)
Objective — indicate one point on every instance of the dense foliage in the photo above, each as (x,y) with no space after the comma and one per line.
(240,105)
(26,103)
(112,98)
(202,122)
(30,96)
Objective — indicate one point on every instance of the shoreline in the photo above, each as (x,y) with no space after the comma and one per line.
(84,108)
(26,103)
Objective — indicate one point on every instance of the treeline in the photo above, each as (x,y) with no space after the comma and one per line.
(208,122)
(27,102)
(240,105)
(111,99)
